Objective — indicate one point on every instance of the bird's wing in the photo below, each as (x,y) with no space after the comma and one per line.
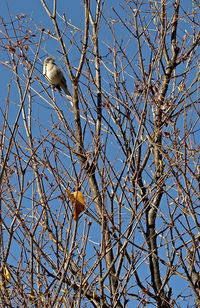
(63,85)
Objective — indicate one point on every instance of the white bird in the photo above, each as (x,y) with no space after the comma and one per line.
(55,76)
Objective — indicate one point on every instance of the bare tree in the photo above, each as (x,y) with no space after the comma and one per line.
(128,140)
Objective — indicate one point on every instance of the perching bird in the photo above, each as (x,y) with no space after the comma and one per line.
(55,76)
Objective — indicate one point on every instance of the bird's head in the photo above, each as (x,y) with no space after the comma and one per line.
(48,60)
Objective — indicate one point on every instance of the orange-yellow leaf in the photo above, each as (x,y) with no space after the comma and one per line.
(78,202)
(7,276)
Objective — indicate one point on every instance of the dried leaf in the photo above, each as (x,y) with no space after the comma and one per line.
(78,202)
(7,276)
